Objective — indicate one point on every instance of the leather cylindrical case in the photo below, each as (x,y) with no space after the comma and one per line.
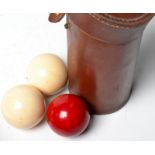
(102,53)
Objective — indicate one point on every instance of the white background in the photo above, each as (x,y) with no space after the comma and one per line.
(24,36)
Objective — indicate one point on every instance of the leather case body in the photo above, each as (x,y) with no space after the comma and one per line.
(102,54)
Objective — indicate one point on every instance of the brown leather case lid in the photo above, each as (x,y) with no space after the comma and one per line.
(125,27)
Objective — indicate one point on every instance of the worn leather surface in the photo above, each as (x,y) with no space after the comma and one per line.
(102,53)
(101,60)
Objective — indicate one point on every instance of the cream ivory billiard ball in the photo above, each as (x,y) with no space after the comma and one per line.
(47,72)
(23,106)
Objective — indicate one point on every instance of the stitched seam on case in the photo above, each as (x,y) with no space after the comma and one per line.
(126,20)
(115,25)
(123,22)
(102,21)
(101,40)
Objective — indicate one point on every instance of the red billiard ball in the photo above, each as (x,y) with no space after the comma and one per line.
(68,115)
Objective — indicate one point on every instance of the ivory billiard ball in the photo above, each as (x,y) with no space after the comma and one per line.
(23,106)
(48,73)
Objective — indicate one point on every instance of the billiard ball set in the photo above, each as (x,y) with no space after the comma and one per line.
(23,106)
(102,55)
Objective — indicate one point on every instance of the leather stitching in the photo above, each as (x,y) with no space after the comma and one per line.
(96,38)
(126,20)
(117,23)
